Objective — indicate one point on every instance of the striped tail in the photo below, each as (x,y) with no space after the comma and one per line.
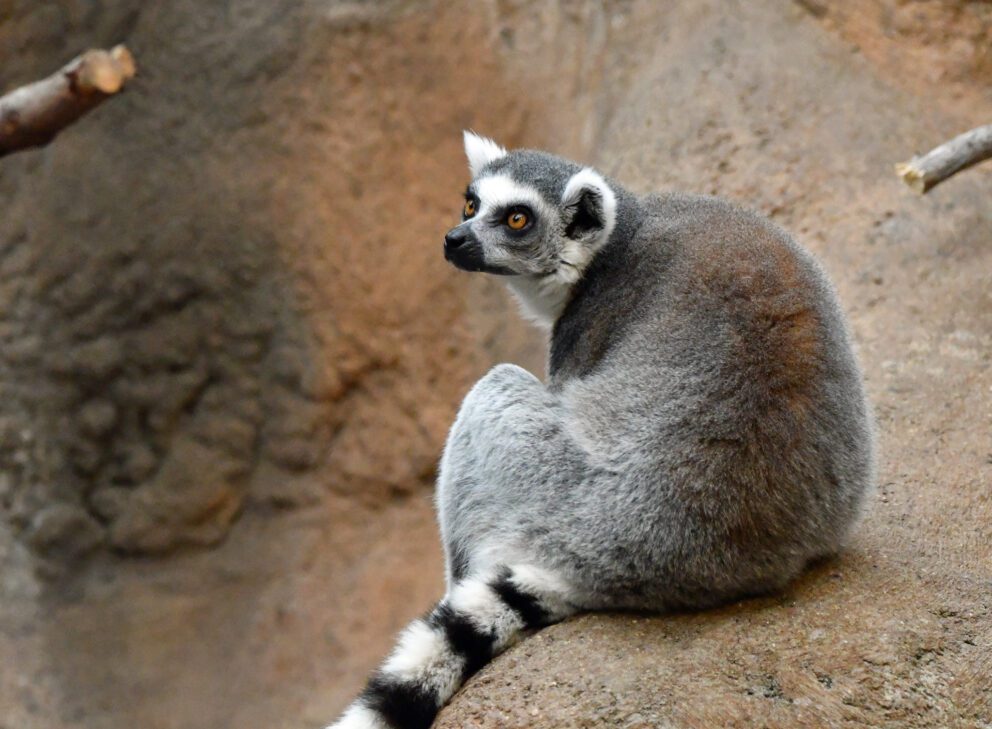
(477,620)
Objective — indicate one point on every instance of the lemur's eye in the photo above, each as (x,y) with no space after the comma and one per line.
(469,210)
(517,219)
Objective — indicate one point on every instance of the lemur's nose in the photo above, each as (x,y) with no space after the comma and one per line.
(455,237)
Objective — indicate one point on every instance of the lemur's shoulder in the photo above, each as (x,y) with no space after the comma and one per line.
(715,246)
(706,221)
(695,261)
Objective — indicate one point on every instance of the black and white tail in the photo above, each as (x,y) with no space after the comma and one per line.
(478,619)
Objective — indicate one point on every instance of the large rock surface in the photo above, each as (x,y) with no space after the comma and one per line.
(229,350)
(776,107)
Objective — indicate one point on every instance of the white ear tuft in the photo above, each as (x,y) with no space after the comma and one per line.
(587,187)
(480,151)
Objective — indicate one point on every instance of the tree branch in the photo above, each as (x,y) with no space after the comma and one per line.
(965,150)
(33,115)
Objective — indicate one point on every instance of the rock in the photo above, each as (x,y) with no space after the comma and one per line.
(135,462)
(63,532)
(192,499)
(224,266)
(86,455)
(95,360)
(296,454)
(97,418)
(109,502)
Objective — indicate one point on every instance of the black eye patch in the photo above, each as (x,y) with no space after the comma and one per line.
(518,218)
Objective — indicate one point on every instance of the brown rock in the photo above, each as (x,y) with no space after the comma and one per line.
(233,258)
(135,463)
(63,532)
(191,500)
(97,418)
(109,502)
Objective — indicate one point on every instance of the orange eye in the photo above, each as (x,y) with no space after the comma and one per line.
(469,210)
(516,220)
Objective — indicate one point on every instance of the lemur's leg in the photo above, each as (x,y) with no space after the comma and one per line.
(478,619)
(506,454)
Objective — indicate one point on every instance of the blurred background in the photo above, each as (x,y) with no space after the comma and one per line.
(230,347)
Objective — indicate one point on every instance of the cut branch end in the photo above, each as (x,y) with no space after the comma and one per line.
(912,175)
(925,172)
(33,115)
(103,71)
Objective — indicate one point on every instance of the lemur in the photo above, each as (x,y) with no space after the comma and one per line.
(703,434)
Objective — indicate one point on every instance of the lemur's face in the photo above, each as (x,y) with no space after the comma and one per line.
(529,214)
(507,229)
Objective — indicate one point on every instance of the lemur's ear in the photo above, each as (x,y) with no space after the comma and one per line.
(480,151)
(590,207)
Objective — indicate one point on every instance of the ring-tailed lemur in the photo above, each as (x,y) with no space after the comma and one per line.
(703,434)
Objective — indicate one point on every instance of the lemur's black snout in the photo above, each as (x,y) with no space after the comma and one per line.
(456,237)
(463,250)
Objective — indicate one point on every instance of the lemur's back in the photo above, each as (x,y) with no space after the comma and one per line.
(717,377)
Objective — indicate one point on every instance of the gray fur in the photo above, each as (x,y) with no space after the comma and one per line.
(703,434)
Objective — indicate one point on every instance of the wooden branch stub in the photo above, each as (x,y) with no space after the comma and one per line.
(32,115)
(924,173)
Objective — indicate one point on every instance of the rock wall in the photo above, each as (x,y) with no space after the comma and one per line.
(228,283)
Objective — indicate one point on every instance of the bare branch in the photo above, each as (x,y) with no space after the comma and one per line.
(965,150)
(33,115)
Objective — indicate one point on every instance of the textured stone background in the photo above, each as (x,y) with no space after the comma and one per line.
(230,349)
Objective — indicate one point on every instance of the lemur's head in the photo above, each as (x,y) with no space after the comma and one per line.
(532,216)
